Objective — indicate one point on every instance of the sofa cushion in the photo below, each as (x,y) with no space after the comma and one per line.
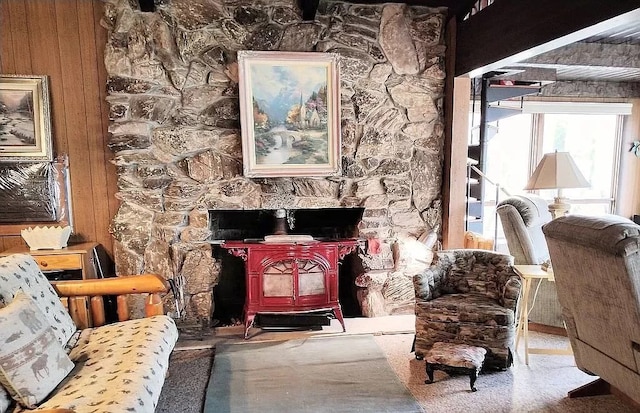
(32,361)
(119,367)
(465,308)
(21,271)
(472,319)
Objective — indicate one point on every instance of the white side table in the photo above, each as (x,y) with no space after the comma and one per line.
(528,273)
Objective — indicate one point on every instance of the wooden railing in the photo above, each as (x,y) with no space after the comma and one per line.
(478,6)
(74,295)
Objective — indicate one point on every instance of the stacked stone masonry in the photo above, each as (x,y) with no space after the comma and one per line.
(176,138)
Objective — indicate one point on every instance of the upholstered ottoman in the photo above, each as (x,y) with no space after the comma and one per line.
(455,359)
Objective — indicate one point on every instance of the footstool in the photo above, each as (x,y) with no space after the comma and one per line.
(455,359)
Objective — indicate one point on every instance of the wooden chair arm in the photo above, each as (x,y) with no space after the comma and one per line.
(56,411)
(130,284)
(74,295)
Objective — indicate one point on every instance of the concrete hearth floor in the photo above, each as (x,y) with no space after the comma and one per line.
(396,324)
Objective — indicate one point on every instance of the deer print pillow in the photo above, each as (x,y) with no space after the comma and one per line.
(32,361)
(20,271)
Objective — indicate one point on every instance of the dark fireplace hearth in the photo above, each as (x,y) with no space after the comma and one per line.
(325,223)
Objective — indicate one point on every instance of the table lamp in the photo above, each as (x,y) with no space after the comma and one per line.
(557,170)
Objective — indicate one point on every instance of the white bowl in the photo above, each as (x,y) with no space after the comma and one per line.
(43,238)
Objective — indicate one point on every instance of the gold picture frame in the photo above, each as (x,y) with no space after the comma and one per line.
(25,118)
(289,113)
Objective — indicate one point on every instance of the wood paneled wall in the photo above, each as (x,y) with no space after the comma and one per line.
(629,180)
(64,40)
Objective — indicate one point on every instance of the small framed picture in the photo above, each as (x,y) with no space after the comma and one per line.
(289,113)
(25,120)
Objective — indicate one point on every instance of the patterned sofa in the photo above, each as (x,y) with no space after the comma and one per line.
(46,364)
(468,297)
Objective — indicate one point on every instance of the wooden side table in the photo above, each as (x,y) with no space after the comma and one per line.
(75,257)
(528,273)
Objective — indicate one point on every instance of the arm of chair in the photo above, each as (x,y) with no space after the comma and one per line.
(511,292)
(76,291)
(56,411)
(426,282)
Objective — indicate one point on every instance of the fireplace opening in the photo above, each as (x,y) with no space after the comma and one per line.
(230,292)
(350,268)
(327,224)
(322,224)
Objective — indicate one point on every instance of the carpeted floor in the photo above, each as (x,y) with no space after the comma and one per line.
(541,386)
(346,373)
(185,386)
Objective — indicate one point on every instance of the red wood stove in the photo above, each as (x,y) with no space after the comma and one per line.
(291,277)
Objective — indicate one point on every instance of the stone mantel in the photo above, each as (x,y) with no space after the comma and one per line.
(175,134)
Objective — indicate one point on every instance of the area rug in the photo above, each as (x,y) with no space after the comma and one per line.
(323,374)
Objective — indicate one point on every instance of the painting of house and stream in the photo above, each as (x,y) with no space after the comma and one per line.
(25,124)
(289,113)
(16,118)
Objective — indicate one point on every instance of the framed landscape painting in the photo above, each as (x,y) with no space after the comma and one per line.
(289,113)
(25,122)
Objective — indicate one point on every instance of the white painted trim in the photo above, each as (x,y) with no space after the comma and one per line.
(588,108)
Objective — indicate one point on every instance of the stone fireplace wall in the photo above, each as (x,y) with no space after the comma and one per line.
(175,132)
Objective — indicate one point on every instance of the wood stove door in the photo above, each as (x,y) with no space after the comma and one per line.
(297,279)
(312,282)
(278,283)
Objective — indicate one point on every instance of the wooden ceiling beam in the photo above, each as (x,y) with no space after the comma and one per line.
(427,3)
(308,8)
(457,8)
(147,5)
(509,31)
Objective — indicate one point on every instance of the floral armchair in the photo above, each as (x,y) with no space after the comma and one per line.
(468,297)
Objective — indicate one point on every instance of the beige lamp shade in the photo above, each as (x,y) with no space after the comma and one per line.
(557,170)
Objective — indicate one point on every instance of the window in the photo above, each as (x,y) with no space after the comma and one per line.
(508,153)
(511,146)
(592,142)
(593,139)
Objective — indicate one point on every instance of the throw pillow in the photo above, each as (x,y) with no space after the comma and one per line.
(32,361)
(20,271)
(411,255)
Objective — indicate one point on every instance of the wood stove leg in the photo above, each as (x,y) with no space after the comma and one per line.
(248,322)
(473,376)
(337,311)
(597,387)
(429,369)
